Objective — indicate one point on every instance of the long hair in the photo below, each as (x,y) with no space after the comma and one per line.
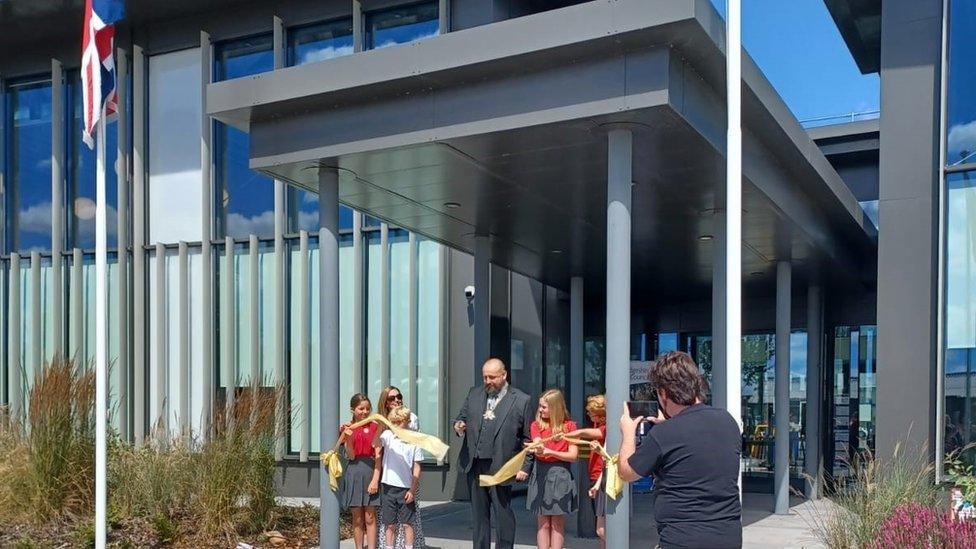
(558,414)
(383,404)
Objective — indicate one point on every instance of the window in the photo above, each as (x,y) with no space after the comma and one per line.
(401,25)
(244,198)
(319,42)
(961,95)
(175,110)
(80,193)
(29,158)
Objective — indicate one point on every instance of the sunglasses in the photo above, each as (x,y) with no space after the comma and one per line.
(395,397)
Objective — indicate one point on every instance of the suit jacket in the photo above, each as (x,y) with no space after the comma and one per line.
(509,430)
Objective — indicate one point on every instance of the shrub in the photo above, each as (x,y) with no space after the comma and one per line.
(915,525)
(870,495)
(47,458)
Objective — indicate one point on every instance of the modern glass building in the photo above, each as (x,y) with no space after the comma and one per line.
(485,143)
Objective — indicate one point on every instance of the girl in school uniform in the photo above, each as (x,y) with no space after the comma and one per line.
(361,479)
(552,490)
(596,409)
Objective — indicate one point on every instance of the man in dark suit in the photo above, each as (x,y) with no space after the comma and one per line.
(494,421)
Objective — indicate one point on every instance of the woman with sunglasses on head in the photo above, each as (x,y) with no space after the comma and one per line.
(391,398)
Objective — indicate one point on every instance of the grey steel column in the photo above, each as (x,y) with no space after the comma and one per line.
(304,374)
(414,284)
(139,279)
(37,350)
(230,329)
(3,159)
(619,177)
(781,462)
(162,344)
(206,250)
(184,361)
(328,344)
(77,335)
(280,223)
(812,460)
(444,17)
(255,274)
(482,303)
(14,362)
(384,303)
(359,303)
(357,26)
(122,233)
(57,203)
(585,520)
(719,356)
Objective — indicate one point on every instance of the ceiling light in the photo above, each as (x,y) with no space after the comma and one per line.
(705,237)
(452,205)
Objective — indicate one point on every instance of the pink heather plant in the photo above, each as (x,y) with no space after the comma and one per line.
(918,527)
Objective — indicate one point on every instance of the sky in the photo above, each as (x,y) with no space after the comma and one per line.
(801,52)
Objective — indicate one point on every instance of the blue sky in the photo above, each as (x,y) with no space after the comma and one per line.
(798,47)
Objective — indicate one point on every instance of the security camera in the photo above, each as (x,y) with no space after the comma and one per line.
(469,292)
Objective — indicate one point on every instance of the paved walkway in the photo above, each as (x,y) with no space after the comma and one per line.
(448,525)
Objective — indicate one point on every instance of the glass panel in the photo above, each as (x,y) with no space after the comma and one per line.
(961,96)
(557,342)
(374,301)
(758,393)
(401,25)
(526,322)
(429,337)
(29,153)
(346,302)
(175,197)
(27,315)
(81,176)
(960,310)
(400,313)
(320,42)
(595,360)
(295,355)
(798,400)
(303,212)
(245,204)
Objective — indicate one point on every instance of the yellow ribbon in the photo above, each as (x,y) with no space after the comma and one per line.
(429,443)
(514,465)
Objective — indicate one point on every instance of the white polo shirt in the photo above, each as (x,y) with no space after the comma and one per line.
(398,460)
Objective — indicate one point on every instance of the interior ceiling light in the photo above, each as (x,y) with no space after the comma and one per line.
(705,237)
(452,205)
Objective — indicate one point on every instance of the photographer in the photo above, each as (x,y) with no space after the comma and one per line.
(693,451)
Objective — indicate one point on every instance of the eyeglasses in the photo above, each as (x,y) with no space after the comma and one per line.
(395,397)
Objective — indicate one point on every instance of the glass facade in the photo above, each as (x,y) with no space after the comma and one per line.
(959,232)
(244,198)
(28,112)
(401,25)
(852,389)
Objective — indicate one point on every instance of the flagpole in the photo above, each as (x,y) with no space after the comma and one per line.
(101,366)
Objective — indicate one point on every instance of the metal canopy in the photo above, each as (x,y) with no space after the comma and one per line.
(501,130)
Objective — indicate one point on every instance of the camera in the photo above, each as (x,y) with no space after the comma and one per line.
(469,292)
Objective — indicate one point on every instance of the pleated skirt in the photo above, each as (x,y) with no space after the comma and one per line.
(552,490)
(355,483)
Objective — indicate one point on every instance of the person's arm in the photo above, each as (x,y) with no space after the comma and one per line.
(374,483)
(378,437)
(348,444)
(415,484)
(461,420)
(568,455)
(636,462)
(526,435)
(588,433)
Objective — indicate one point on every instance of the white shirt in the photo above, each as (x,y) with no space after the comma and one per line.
(398,460)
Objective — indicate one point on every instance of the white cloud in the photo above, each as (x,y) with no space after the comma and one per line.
(86,229)
(325,53)
(310,198)
(36,219)
(392,42)
(308,221)
(261,224)
(961,137)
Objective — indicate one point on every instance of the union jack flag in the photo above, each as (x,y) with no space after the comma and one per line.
(98,62)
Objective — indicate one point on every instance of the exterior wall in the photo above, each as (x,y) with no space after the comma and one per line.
(911,40)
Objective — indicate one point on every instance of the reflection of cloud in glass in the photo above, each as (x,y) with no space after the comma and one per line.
(393,41)
(961,142)
(308,221)
(322,54)
(310,198)
(961,268)
(86,229)
(261,224)
(36,219)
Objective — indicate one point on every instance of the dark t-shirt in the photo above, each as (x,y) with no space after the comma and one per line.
(694,458)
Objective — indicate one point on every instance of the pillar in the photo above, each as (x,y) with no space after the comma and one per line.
(328,344)
(813,461)
(619,177)
(719,382)
(781,458)
(482,303)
